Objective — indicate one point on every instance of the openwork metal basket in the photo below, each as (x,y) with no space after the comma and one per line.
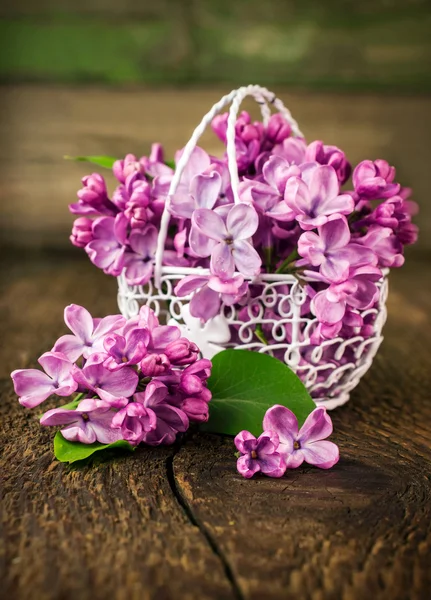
(278,304)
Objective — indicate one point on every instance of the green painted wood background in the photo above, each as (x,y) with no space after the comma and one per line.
(326,44)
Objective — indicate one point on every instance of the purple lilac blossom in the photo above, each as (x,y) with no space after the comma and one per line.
(132,390)
(90,422)
(259,455)
(34,386)
(307,444)
(289,189)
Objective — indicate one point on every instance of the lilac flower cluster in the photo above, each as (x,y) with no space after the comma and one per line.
(297,215)
(136,380)
(284,446)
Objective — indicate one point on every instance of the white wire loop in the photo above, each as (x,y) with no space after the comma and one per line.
(263,97)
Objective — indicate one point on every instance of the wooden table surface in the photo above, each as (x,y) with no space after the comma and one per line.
(180,522)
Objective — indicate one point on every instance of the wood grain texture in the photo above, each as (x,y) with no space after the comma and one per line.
(180,522)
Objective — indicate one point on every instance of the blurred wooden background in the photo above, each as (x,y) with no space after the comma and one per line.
(335,44)
(109,77)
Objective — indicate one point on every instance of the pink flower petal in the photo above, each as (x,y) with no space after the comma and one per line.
(79,321)
(33,386)
(241,438)
(60,416)
(205,304)
(205,189)
(190,284)
(222,262)
(343,204)
(317,426)
(84,434)
(57,366)
(247,260)
(267,443)
(107,325)
(326,311)
(322,454)
(137,271)
(247,467)
(273,465)
(69,345)
(200,244)
(294,459)
(323,185)
(242,221)
(210,224)
(282,421)
(144,241)
(335,233)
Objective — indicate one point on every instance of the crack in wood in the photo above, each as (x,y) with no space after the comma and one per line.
(176,491)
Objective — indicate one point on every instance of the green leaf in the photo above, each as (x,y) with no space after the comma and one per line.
(170,163)
(71,452)
(245,384)
(101,161)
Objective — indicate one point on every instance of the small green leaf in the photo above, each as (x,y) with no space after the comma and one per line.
(101,161)
(70,452)
(245,384)
(170,163)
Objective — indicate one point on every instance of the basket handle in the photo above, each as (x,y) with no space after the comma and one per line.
(262,96)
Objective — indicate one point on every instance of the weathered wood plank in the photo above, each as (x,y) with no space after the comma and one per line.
(180,523)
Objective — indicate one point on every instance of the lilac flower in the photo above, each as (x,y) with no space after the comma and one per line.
(90,422)
(110,386)
(160,335)
(93,198)
(170,419)
(182,352)
(198,163)
(315,197)
(154,365)
(139,262)
(82,232)
(259,454)
(268,195)
(375,180)
(227,243)
(193,378)
(329,155)
(209,292)
(332,251)
(248,137)
(291,149)
(129,165)
(306,444)
(34,386)
(277,130)
(88,333)
(358,291)
(126,351)
(137,205)
(196,409)
(107,248)
(204,193)
(385,244)
(134,421)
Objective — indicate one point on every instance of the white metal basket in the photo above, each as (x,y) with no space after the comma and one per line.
(329,371)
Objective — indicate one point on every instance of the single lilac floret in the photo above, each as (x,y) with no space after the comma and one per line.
(90,422)
(307,444)
(259,455)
